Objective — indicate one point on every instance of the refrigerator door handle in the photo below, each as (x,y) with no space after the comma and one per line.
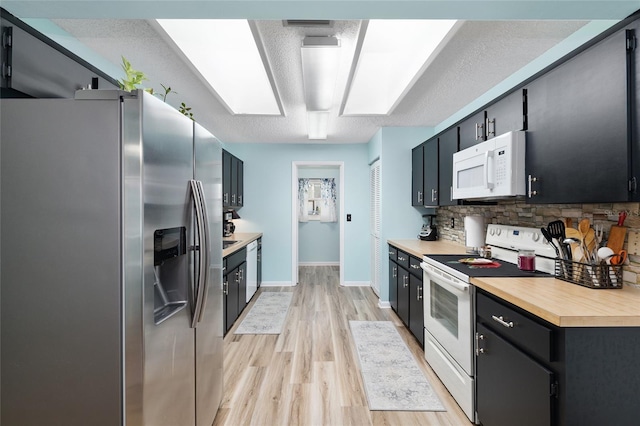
(207,250)
(197,202)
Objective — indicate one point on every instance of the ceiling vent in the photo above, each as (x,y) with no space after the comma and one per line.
(309,23)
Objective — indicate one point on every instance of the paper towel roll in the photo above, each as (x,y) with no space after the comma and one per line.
(474,231)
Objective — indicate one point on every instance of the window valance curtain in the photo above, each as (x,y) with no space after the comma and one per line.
(327,202)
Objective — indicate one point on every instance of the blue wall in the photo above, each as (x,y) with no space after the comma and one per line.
(319,242)
(267,202)
(399,219)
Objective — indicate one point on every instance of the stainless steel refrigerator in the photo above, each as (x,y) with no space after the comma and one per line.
(110,263)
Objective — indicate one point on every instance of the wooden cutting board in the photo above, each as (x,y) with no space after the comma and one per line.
(617,235)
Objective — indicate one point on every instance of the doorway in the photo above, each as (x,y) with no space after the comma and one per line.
(299,169)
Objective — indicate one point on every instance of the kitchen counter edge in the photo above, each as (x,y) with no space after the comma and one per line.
(558,302)
(243,238)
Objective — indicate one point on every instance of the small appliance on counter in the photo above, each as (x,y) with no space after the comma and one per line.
(429,231)
(228,227)
(474,233)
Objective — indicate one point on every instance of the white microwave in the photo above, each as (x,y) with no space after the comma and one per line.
(490,169)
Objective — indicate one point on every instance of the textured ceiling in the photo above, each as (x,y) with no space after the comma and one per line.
(479,56)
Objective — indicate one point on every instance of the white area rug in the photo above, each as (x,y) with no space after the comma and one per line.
(392,379)
(267,315)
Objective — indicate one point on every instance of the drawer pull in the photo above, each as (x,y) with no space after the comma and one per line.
(402,259)
(415,266)
(501,320)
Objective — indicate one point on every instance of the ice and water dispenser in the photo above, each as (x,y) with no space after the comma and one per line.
(170,268)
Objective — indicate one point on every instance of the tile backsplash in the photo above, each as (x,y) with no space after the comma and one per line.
(519,213)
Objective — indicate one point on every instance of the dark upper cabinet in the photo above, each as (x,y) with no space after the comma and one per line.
(417,180)
(430,172)
(447,146)
(577,146)
(232,180)
(505,115)
(472,130)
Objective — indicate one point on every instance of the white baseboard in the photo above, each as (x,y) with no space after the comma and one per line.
(276,284)
(318,263)
(357,284)
(384,305)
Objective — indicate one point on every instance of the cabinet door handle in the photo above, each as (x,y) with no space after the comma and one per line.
(491,127)
(479,131)
(240,199)
(241,274)
(434,195)
(405,281)
(225,288)
(532,179)
(418,295)
(419,196)
(500,320)
(395,272)
(233,199)
(226,197)
(479,350)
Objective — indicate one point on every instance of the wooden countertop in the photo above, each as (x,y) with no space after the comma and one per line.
(243,239)
(568,305)
(559,302)
(419,248)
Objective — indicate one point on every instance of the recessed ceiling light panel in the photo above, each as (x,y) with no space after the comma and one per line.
(392,56)
(225,53)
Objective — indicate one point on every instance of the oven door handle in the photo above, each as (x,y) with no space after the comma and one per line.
(442,278)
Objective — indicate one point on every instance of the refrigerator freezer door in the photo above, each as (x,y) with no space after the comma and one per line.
(209,330)
(168,388)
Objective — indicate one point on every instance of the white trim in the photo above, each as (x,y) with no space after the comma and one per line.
(276,284)
(384,305)
(318,263)
(294,213)
(357,283)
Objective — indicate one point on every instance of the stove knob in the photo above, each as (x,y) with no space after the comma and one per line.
(498,231)
(492,231)
(536,236)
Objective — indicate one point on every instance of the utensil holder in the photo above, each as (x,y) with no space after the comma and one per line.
(599,276)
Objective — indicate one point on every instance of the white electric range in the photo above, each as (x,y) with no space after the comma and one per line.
(449,303)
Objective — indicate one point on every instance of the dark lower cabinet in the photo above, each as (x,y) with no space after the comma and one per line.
(512,388)
(393,278)
(234,287)
(403,295)
(416,308)
(406,292)
(531,372)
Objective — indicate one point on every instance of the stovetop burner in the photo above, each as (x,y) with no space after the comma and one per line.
(505,269)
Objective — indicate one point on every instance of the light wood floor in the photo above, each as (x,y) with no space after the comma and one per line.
(309,374)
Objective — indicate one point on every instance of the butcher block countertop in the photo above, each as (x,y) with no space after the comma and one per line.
(556,301)
(243,239)
(568,305)
(419,248)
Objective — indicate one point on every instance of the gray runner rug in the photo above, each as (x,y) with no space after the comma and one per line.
(267,315)
(392,379)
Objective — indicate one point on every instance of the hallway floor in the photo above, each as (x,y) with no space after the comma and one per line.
(309,374)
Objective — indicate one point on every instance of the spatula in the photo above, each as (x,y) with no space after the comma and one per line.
(556,230)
